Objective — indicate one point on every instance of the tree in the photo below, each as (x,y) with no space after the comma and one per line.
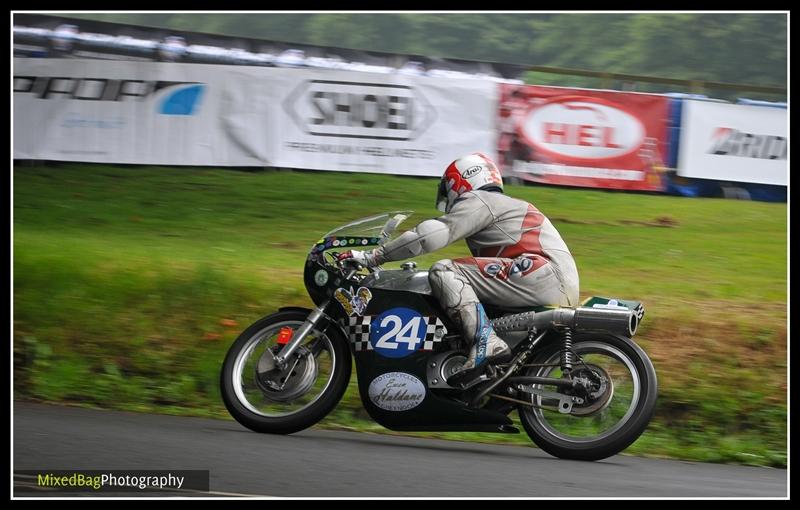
(730,47)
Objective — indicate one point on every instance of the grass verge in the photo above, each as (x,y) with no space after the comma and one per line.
(131,282)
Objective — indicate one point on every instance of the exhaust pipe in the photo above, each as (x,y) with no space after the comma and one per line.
(621,322)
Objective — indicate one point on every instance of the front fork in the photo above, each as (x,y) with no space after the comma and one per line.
(301,333)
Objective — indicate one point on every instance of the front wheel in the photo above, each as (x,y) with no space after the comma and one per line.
(606,418)
(284,400)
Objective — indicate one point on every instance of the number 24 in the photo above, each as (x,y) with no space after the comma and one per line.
(408,334)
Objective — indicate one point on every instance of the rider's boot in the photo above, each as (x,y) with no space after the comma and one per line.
(486,346)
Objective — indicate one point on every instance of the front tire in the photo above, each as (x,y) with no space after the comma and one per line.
(304,394)
(594,433)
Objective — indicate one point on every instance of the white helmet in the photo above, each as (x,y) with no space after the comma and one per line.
(468,173)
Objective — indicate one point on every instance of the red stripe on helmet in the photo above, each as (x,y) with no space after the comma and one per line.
(455,182)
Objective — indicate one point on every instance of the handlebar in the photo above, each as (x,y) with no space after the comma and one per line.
(350,267)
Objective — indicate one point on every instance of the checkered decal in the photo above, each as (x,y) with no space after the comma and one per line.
(357,329)
(430,336)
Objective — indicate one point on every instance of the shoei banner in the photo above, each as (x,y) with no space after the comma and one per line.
(580,137)
(197,114)
(733,142)
(387,123)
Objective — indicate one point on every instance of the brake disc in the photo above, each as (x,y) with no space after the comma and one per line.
(290,383)
(602,391)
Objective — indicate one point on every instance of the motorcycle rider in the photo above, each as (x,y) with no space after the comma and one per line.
(518,257)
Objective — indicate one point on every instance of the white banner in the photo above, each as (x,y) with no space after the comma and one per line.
(196,114)
(731,142)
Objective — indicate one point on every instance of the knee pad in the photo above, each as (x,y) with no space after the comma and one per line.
(450,287)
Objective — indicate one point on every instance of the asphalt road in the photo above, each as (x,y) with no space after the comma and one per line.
(320,463)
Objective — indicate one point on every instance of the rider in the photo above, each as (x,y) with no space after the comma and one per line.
(519,258)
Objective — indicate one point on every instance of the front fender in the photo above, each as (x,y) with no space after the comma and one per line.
(294,309)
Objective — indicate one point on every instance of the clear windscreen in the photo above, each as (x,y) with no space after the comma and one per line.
(383,226)
(362,233)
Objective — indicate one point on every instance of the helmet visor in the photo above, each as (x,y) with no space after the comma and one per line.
(441,197)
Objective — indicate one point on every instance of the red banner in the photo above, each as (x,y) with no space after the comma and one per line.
(582,137)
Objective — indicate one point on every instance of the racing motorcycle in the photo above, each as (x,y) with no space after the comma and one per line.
(583,389)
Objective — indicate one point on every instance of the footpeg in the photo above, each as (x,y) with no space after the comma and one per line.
(487,370)
(465,383)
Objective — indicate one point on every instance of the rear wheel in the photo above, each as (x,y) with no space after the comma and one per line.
(608,415)
(264,398)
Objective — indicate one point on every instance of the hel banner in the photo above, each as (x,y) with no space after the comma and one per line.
(733,142)
(197,114)
(581,137)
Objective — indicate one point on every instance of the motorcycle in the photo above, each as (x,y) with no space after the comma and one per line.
(583,389)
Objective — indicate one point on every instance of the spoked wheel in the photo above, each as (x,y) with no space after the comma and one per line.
(282,400)
(606,414)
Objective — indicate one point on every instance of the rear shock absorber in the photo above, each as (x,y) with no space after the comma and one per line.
(566,350)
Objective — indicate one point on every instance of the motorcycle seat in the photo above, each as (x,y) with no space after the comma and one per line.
(494,311)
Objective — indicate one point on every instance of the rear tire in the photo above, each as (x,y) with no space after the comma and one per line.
(623,433)
(251,417)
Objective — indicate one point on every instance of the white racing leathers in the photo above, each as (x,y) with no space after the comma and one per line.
(519,260)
